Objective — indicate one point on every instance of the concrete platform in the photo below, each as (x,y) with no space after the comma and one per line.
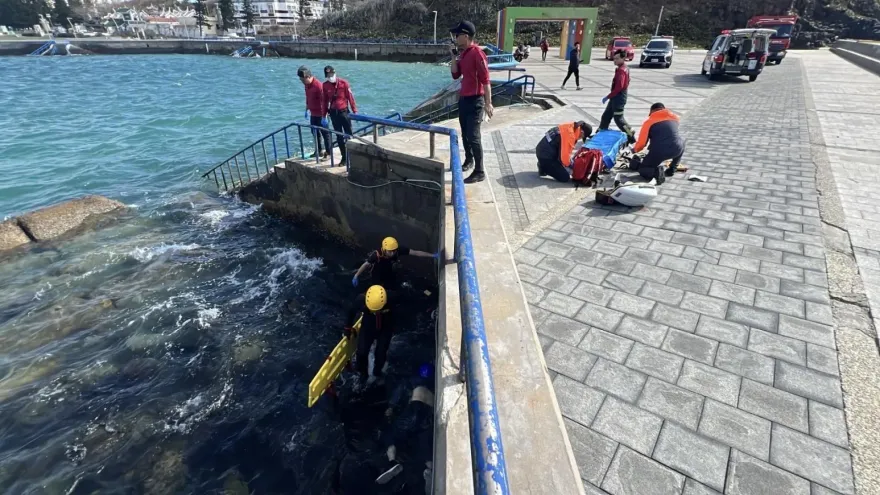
(729,318)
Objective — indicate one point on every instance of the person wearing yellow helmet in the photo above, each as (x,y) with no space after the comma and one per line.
(377,326)
(381,262)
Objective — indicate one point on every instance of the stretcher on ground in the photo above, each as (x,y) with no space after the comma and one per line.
(335,363)
(609,143)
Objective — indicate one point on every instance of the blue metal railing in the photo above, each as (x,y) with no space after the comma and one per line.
(527,81)
(46,47)
(500,58)
(489,466)
(243,51)
(290,141)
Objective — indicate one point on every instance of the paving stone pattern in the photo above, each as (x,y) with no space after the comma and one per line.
(690,340)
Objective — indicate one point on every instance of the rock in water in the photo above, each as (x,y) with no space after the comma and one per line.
(245,352)
(11,235)
(55,221)
(168,474)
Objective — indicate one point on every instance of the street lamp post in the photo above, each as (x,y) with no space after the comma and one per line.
(435,27)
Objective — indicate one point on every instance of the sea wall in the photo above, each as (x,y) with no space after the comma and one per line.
(371,203)
(865,55)
(393,52)
(55,221)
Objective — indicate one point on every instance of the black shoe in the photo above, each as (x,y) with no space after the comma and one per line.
(541,172)
(477,176)
(660,176)
(467,165)
(670,171)
(630,139)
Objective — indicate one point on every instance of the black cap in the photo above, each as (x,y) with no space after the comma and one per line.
(303,71)
(464,27)
(329,70)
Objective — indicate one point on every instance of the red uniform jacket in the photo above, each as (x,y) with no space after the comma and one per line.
(473,70)
(315,98)
(338,95)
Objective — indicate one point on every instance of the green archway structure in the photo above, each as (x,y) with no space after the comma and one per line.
(579,24)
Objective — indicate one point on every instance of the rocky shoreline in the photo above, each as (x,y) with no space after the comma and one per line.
(54,221)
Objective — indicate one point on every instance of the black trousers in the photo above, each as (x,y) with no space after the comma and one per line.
(470,115)
(369,334)
(314,120)
(577,76)
(548,160)
(543,55)
(652,165)
(614,111)
(341,123)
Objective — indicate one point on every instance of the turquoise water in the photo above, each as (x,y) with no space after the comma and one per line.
(129,126)
(169,351)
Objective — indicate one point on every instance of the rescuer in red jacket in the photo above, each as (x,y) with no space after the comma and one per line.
(339,99)
(316,108)
(616,99)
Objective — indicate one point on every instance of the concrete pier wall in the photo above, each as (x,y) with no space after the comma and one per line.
(371,203)
(392,52)
(865,55)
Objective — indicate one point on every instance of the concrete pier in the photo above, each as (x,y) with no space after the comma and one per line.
(719,340)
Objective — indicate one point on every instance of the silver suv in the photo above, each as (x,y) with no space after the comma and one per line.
(658,51)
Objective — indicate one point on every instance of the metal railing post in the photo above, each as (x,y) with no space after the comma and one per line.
(375,134)
(248,172)
(215,179)
(302,148)
(240,180)
(431,139)
(225,187)
(274,148)
(256,162)
(231,177)
(286,143)
(246,166)
(265,156)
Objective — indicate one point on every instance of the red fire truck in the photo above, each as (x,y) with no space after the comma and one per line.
(779,42)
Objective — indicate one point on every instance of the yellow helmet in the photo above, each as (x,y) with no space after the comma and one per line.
(376,298)
(389,244)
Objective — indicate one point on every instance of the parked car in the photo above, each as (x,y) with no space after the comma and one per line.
(620,43)
(658,51)
(739,52)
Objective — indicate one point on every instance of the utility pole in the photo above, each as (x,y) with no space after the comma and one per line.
(435,27)
(657,29)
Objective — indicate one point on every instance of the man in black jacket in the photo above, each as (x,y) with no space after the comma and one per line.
(663,139)
(574,63)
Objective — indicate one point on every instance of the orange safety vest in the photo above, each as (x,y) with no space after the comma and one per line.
(568,134)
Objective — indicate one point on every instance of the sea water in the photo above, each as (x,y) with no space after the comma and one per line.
(169,350)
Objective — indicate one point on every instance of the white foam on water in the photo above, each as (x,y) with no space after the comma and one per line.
(289,261)
(144,254)
(205,316)
(195,409)
(214,217)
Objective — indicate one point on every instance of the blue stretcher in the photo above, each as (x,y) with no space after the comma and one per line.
(609,143)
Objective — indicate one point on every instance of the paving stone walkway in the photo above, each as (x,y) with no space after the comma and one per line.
(691,342)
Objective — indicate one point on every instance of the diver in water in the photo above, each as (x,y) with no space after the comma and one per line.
(377,325)
(409,441)
(381,262)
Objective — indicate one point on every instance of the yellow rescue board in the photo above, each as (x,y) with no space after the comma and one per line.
(335,363)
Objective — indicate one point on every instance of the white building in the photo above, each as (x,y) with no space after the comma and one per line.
(284,12)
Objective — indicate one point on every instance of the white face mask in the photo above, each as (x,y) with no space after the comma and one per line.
(332,79)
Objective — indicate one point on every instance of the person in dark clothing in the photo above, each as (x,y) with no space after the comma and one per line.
(475,96)
(316,108)
(409,440)
(616,99)
(381,262)
(574,64)
(554,150)
(377,325)
(339,98)
(545,47)
(660,133)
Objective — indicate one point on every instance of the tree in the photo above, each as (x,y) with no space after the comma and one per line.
(227,15)
(67,9)
(201,14)
(249,14)
(20,14)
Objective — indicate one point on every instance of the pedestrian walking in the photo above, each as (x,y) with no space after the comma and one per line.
(616,99)
(316,110)
(470,64)
(340,102)
(545,47)
(574,64)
